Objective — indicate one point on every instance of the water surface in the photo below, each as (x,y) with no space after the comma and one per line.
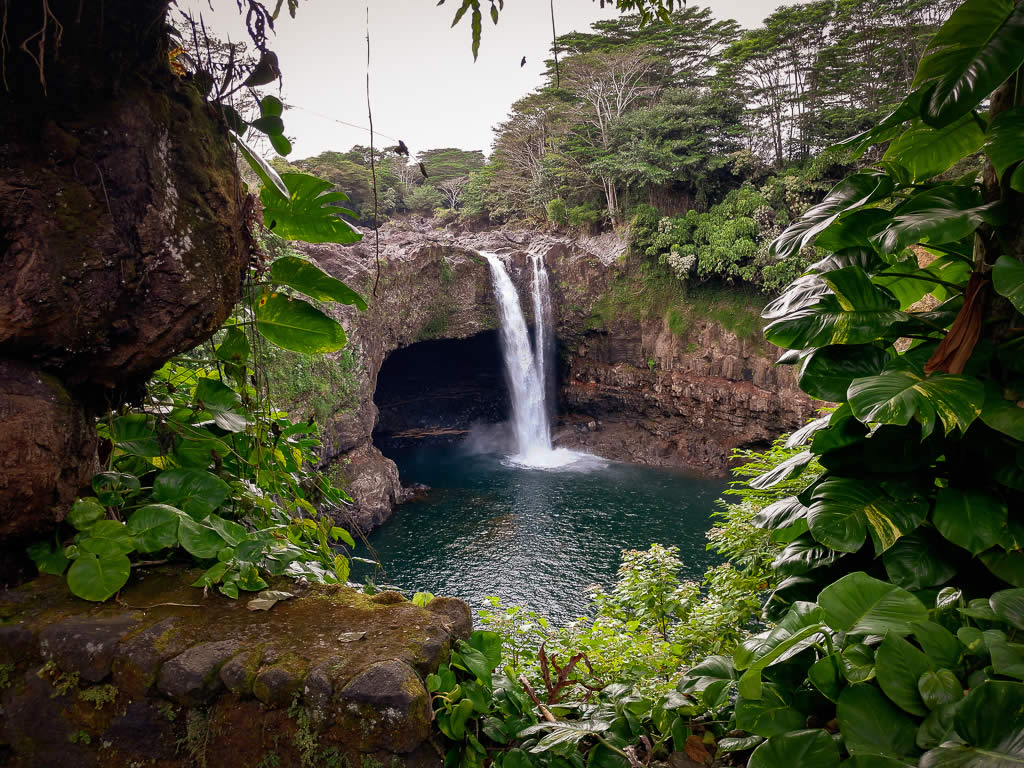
(537,537)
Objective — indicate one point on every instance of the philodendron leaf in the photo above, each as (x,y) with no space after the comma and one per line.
(770,714)
(94,577)
(48,558)
(973,53)
(312,281)
(273,185)
(154,527)
(1005,143)
(853,192)
(1008,606)
(843,509)
(297,325)
(235,346)
(133,433)
(106,538)
(936,216)
(914,562)
(927,151)
(939,688)
(307,213)
(861,605)
(872,725)
(221,402)
(970,519)
(790,468)
(811,748)
(899,666)
(988,720)
(1008,280)
(85,512)
(826,373)
(856,312)
(799,629)
(195,491)
(199,540)
(902,392)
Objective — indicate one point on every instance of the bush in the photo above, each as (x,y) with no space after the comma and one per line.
(557,212)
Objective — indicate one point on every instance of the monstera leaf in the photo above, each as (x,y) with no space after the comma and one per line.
(902,392)
(976,50)
(854,192)
(306,213)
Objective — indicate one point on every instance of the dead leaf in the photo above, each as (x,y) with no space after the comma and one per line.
(695,749)
(350,637)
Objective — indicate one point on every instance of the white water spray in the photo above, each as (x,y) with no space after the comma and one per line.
(526,367)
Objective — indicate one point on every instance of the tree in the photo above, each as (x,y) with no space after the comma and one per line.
(452,190)
(450,163)
(606,86)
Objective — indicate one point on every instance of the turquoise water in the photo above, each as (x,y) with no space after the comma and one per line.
(531,536)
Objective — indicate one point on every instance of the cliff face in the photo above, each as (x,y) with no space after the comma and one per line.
(641,379)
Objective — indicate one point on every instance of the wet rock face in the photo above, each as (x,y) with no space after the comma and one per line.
(47,450)
(121,233)
(180,679)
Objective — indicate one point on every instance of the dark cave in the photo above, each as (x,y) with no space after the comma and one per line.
(435,391)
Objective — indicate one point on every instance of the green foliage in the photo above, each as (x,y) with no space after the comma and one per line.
(902,573)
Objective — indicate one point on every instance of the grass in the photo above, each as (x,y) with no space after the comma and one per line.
(646,291)
(312,385)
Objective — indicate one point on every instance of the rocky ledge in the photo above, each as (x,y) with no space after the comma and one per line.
(169,677)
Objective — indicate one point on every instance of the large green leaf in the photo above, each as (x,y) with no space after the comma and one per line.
(826,373)
(939,688)
(48,558)
(970,519)
(106,538)
(857,312)
(1005,143)
(307,213)
(134,433)
(1008,280)
(843,509)
(936,216)
(780,514)
(313,281)
(810,748)
(914,562)
(902,393)
(784,470)
(95,578)
(899,666)
(1008,606)
(989,720)
(198,539)
(872,725)
(235,346)
(1008,566)
(861,605)
(297,325)
(927,151)
(800,628)
(86,512)
(801,556)
(805,291)
(154,527)
(888,127)
(1001,411)
(857,662)
(769,715)
(196,492)
(221,402)
(853,192)
(938,642)
(973,53)
(273,185)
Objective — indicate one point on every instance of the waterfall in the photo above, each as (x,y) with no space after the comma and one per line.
(527,367)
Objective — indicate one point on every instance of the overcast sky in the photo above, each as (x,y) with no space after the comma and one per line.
(424,86)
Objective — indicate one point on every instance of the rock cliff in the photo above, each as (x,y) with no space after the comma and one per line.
(666,384)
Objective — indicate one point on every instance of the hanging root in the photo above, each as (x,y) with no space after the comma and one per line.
(37,40)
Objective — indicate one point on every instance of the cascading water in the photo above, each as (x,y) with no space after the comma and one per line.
(526,367)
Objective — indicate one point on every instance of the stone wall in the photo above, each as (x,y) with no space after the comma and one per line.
(168,676)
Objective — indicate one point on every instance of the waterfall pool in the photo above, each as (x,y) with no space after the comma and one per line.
(531,536)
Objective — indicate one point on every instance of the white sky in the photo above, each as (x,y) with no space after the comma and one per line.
(424,86)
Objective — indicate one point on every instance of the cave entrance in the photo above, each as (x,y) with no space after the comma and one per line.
(436,391)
